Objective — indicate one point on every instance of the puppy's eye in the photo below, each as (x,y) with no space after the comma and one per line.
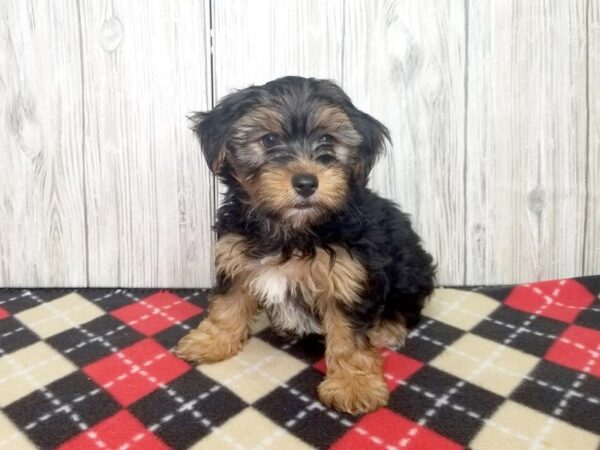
(270,140)
(326,158)
(326,139)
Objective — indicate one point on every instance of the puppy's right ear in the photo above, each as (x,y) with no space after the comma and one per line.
(214,127)
(212,139)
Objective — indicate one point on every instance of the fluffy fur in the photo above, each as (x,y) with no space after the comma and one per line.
(341,261)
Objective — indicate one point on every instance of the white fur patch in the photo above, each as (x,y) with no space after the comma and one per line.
(272,284)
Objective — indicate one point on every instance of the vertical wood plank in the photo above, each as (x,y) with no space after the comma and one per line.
(148,190)
(592,228)
(526,140)
(404,63)
(259,40)
(42,217)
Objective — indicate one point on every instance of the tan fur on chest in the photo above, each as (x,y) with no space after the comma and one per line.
(278,285)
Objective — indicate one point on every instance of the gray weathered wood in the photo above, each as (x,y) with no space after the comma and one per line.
(592,238)
(526,140)
(146,65)
(404,64)
(257,41)
(42,221)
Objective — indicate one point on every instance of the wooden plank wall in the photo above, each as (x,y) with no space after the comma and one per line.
(101,181)
(493,111)
(42,205)
(526,143)
(148,191)
(591,262)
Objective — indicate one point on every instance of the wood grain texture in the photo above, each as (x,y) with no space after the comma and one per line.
(259,40)
(42,221)
(591,263)
(147,187)
(404,64)
(526,140)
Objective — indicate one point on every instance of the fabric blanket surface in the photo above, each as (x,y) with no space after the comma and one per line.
(487,368)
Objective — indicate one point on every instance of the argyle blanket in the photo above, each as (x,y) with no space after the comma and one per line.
(487,368)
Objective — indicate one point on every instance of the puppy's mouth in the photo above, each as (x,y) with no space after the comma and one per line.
(304,205)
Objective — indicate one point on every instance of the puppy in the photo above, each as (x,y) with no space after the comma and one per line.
(302,237)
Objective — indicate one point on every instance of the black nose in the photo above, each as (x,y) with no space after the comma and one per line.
(305,184)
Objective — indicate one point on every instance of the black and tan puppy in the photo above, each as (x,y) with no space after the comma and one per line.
(302,237)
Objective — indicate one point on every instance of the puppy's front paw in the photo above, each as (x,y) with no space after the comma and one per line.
(354,393)
(208,343)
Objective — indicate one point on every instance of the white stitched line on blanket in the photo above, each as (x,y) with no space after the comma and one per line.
(194,294)
(29,294)
(90,434)
(593,400)
(457,407)
(485,363)
(118,328)
(83,426)
(414,430)
(550,422)
(165,419)
(138,369)
(462,409)
(155,310)
(311,404)
(49,396)
(440,315)
(188,406)
(579,308)
(24,293)
(95,337)
(552,337)
(8,333)
(63,314)
(172,393)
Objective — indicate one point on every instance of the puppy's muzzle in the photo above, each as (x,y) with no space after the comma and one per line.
(305,184)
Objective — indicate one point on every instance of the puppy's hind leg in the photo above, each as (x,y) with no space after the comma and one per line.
(223,332)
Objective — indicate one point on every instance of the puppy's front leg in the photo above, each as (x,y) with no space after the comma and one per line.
(354,381)
(225,329)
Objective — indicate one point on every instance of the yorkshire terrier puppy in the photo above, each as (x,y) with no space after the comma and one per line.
(302,237)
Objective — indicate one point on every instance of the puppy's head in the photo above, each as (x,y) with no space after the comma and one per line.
(295,146)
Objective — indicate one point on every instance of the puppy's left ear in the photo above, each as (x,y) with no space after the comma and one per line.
(375,137)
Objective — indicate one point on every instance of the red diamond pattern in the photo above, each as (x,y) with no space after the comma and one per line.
(136,371)
(156,313)
(558,299)
(398,367)
(3,313)
(385,429)
(577,348)
(119,431)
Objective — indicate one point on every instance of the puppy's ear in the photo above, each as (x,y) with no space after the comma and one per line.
(214,127)
(375,137)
